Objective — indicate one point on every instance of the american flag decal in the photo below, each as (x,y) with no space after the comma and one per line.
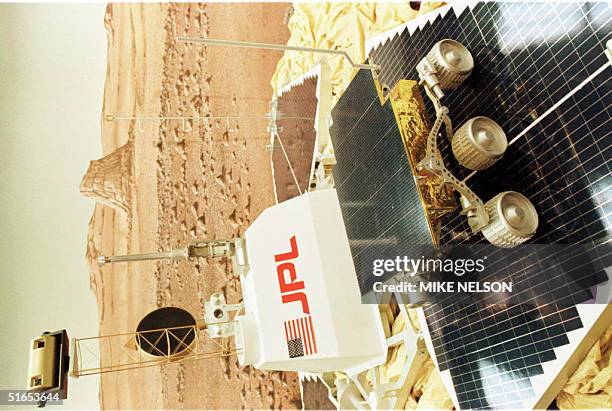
(300,337)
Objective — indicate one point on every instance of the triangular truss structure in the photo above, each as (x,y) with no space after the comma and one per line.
(141,349)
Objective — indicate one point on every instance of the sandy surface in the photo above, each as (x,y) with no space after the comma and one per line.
(201,179)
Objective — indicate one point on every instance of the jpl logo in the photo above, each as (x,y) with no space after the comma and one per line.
(299,332)
(290,289)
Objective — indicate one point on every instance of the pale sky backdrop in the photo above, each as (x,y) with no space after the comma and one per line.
(52,68)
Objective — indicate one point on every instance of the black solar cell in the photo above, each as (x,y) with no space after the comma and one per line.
(528,58)
(376,189)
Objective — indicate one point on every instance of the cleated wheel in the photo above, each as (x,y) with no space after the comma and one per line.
(479,143)
(512,219)
(452,61)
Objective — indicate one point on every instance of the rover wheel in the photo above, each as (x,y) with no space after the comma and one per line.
(452,61)
(512,219)
(479,143)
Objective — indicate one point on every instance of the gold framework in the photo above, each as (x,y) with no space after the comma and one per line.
(437,198)
(119,352)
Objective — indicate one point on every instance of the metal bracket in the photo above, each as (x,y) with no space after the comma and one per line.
(432,163)
(393,395)
(427,74)
(217,316)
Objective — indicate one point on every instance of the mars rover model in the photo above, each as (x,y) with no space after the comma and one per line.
(300,290)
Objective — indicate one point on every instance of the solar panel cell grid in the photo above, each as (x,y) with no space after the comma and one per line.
(376,190)
(293,150)
(528,57)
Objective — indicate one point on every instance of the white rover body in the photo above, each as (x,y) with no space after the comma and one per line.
(300,268)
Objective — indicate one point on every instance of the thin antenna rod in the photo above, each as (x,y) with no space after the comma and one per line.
(559,102)
(288,162)
(178,254)
(204,249)
(269,46)
(110,117)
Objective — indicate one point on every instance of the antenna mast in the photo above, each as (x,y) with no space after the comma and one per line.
(271,46)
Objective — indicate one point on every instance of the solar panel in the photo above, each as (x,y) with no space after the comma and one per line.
(512,357)
(295,151)
(528,57)
(541,73)
(377,192)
